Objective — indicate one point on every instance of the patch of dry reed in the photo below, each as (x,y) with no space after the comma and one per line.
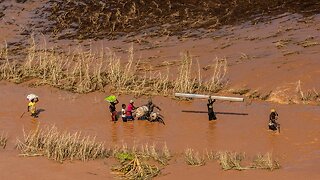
(188,81)
(84,71)
(3,140)
(136,169)
(193,158)
(51,143)
(146,151)
(135,161)
(265,162)
(231,160)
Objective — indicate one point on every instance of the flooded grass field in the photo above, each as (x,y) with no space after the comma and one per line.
(73,54)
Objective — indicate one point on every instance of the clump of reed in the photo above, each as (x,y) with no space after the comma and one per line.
(84,71)
(265,162)
(3,140)
(51,143)
(211,155)
(231,160)
(116,18)
(185,81)
(308,96)
(218,78)
(79,72)
(135,161)
(193,158)
(136,168)
(146,151)
(188,82)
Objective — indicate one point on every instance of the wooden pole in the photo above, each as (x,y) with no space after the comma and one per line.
(207,97)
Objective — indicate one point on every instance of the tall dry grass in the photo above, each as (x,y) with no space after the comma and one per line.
(307,96)
(231,160)
(84,71)
(51,143)
(218,78)
(194,158)
(160,155)
(3,140)
(136,168)
(140,162)
(265,162)
(186,82)
(190,81)
(74,71)
(135,161)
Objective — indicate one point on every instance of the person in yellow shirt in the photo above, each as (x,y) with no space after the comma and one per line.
(32,107)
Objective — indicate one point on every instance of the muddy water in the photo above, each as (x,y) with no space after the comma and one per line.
(240,127)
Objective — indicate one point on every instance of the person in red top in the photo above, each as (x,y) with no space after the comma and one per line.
(130,109)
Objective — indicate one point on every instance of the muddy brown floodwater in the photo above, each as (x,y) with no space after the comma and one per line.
(240,127)
(263,56)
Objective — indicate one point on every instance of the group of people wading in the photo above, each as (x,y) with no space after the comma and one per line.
(130,112)
(146,112)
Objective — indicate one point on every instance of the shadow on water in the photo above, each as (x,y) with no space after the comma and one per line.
(39,111)
(226,113)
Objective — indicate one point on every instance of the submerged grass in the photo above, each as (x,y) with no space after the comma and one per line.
(51,143)
(140,163)
(136,162)
(3,140)
(265,162)
(146,151)
(231,160)
(193,158)
(136,168)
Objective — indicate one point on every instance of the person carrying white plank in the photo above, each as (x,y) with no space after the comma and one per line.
(211,113)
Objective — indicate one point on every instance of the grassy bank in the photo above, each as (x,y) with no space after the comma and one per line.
(85,71)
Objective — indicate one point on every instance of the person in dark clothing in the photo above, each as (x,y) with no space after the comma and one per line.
(151,107)
(273,117)
(113,110)
(211,113)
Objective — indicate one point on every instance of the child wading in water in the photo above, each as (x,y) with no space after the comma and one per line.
(123,113)
(32,107)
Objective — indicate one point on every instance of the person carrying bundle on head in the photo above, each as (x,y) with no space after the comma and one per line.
(113,110)
(32,105)
(113,102)
(273,124)
(211,113)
